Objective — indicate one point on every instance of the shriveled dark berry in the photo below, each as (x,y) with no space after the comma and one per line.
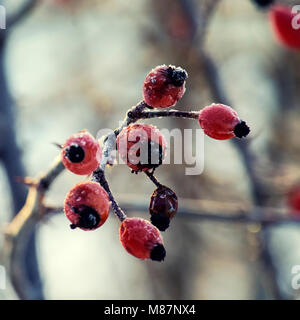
(160,222)
(163,207)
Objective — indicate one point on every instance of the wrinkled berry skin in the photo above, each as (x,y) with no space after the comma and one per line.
(87,206)
(293,200)
(141,239)
(81,153)
(163,207)
(141,146)
(221,122)
(281,17)
(164,86)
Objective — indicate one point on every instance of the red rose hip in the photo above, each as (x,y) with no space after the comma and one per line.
(141,239)
(87,206)
(81,153)
(282,19)
(141,146)
(164,86)
(221,122)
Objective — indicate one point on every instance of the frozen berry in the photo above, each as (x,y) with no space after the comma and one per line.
(81,153)
(141,239)
(221,122)
(141,146)
(164,86)
(263,3)
(281,18)
(87,206)
(163,207)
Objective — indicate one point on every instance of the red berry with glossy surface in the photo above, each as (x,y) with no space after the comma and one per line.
(282,20)
(164,86)
(81,153)
(163,207)
(141,146)
(141,239)
(293,200)
(221,122)
(87,206)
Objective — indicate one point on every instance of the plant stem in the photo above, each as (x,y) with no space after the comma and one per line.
(169,113)
(134,114)
(153,179)
(99,176)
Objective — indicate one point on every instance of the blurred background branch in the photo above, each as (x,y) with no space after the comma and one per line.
(22,12)
(10,153)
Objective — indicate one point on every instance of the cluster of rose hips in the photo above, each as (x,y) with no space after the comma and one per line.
(282,20)
(87,204)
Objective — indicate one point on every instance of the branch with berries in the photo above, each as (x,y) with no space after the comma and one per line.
(163,87)
(87,204)
(143,148)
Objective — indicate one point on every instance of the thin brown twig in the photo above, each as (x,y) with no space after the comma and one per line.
(170,113)
(151,176)
(98,176)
